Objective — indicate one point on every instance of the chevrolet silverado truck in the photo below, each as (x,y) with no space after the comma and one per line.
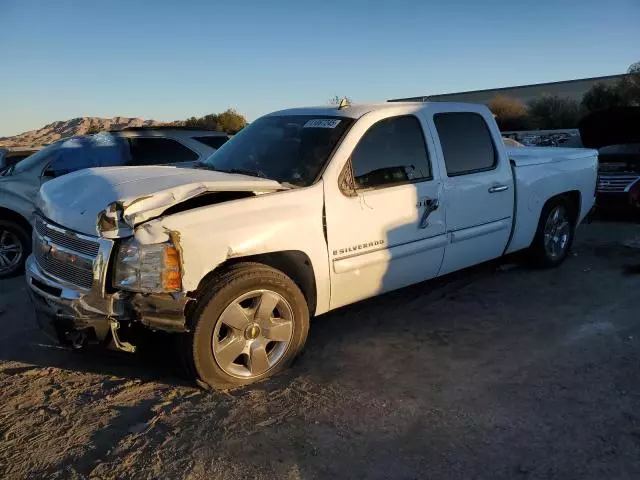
(302,212)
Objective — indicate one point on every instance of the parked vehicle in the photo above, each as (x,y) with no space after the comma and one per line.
(12,156)
(302,212)
(19,183)
(615,133)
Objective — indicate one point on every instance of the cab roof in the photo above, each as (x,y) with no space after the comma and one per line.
(356,111)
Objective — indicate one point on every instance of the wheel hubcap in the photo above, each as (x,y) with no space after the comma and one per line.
(10,251)
(556,233)
(253,334)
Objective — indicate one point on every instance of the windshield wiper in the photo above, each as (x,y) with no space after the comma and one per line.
(242,171)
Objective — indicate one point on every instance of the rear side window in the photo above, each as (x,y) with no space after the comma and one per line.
(158,151)
(392,151)
(466,143)
(213,141)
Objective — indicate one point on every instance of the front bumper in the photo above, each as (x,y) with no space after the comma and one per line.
(64,312)
(73,316)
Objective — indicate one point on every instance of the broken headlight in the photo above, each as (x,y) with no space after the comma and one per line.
(147,268)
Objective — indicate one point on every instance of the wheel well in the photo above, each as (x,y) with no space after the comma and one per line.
(572,199)
(293,263)
(10,215)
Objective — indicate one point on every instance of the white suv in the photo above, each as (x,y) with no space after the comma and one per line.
(19,183)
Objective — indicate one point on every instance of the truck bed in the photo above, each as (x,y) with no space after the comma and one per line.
(539,155)
(541,173)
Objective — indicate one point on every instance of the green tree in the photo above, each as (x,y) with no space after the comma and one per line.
(629,87)
(192,122)
(601,96)
(552,112)
(510,113)
(230,121)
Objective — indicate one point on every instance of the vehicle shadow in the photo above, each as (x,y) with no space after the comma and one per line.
(158,359)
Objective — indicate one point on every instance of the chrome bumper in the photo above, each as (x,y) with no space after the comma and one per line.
(64,310)
(66,313)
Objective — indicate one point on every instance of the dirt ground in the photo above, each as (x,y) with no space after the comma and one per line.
(496,373)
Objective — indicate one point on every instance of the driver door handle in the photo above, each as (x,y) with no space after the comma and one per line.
(430,205)
(498,188)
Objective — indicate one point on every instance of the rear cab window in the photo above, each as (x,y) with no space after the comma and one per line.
(467,144)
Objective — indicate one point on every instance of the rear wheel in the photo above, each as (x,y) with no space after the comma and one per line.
(15,247)
(554,236)
(249,324)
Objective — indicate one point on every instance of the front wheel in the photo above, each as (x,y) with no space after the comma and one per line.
(249,324)
(15,247)
(554,236)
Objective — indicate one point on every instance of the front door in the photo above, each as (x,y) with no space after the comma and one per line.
(385,222)
(478,188)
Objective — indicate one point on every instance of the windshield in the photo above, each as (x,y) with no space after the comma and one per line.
(289,149)
(34,160)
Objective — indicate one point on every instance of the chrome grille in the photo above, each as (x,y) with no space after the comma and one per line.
(69,240)
(64,255)
(615,183)
(62,270)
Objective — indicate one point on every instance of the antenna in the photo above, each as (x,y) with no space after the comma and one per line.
(344,103)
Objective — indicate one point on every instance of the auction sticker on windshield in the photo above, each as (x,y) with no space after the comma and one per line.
(322,123)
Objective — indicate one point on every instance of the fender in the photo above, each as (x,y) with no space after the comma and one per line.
(211,235)
(19,197)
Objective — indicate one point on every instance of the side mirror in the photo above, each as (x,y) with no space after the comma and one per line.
(345,181)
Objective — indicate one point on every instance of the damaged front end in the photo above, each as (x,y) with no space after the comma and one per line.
(99,289)
(76,309)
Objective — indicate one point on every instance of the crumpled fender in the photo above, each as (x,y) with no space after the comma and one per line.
(207,237)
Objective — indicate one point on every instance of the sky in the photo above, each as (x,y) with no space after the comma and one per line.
(169,60)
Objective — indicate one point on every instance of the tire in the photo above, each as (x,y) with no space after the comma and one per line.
(554,236)
(15,247)
(250,322)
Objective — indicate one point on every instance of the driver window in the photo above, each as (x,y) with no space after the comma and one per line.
(391,152)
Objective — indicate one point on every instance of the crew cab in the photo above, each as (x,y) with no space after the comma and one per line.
(19,183)
(302,212)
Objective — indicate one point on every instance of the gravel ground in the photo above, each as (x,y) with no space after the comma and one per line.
(497,373)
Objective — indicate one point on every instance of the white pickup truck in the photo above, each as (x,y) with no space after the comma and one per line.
(304,211)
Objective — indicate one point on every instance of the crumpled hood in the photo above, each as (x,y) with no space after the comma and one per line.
(110,202)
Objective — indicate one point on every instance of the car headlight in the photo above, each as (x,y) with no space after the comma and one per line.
(147,268)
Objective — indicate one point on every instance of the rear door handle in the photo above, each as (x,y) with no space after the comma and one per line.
(498,188)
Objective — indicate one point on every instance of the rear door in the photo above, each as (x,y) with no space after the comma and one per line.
(385,229)
(478,187)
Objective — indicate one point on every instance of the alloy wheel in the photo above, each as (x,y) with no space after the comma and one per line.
(11,251)
(557,232)
(253,334)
